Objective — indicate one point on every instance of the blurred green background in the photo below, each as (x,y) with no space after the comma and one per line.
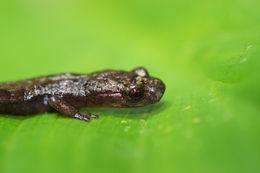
(207,53)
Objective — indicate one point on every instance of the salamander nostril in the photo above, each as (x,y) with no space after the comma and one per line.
(160,91)
(156,90)
(158,94)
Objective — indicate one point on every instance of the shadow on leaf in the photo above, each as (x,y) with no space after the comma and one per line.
(132,113)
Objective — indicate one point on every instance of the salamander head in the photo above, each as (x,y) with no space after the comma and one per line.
(144,89)
(127,89)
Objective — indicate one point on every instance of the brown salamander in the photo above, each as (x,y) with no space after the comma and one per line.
(67,92)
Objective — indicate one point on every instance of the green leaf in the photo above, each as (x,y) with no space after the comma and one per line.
(206,52)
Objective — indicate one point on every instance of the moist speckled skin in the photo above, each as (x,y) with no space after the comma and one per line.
(107,88)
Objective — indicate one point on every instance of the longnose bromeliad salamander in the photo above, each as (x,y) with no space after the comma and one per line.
(67,92)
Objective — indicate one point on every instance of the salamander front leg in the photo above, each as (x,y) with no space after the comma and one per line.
(65,108)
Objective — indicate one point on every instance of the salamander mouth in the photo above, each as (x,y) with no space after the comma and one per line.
(115,99)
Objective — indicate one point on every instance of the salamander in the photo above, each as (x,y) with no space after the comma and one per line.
(67,92)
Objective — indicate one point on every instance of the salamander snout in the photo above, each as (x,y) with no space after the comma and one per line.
(155,91)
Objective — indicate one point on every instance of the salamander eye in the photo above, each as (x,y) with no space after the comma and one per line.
(136,94)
